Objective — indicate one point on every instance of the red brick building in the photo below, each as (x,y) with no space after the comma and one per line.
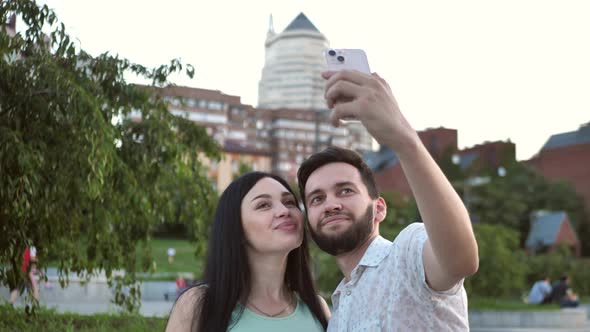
(549,230)
(286,136)
(440,142)
(566,157)
(387,169)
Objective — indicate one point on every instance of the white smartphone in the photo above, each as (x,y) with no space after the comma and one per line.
(349,59)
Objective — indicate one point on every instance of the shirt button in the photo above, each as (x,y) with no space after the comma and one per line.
(348,292)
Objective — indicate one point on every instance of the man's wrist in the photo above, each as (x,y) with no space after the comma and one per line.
(406,147)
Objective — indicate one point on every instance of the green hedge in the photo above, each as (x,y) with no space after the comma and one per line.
(502,265)
(557,264)
(49,320)
(505,271)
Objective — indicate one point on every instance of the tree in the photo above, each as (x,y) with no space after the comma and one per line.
(400,213)
(511,199)
(79,179)
(502,265)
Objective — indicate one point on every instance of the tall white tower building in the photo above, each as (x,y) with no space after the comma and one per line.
(293,63)
(291,78)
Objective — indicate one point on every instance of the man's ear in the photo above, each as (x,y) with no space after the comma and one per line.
(380,209)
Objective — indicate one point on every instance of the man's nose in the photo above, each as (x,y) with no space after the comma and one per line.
(332,204)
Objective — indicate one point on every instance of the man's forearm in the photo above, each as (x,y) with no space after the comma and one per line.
(445,217)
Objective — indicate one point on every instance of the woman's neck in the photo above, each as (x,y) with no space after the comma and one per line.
(268,278)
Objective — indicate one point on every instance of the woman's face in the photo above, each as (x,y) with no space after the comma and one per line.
(271,219)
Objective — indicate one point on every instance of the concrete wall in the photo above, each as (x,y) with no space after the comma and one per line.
(564,318)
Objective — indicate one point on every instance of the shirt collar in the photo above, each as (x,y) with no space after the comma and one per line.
(376,252)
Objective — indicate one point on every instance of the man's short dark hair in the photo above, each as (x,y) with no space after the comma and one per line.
(335,154)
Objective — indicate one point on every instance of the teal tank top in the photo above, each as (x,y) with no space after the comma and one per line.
(300,320)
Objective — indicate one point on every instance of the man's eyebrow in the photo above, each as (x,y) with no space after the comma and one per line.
(316,191)
(344,184)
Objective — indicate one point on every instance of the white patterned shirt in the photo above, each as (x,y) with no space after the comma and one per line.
(387,291)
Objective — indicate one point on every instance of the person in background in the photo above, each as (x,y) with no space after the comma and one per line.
(171,252)
(563,294)
(540,292)
(17,284)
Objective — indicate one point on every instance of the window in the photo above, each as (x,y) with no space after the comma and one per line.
(215,105)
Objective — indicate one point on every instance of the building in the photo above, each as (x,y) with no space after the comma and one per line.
(387,169)
(291,77)
(488,156)
(549,230)
(271,140)
(296,134)
(566,157)
(441,143)
(292,66)
(235,155)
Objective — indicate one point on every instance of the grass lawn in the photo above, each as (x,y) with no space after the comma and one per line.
(184,259)
(484,303)
(49,320)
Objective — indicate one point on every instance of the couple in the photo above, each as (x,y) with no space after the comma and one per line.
(257,275)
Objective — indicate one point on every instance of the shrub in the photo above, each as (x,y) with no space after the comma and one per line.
(502,265)
(49,320)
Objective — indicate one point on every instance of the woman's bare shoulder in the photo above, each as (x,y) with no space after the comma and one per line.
(186,309)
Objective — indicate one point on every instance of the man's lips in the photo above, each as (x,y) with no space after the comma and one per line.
(334,219)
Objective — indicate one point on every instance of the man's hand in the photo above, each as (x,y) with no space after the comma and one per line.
(369,99)
(450,252)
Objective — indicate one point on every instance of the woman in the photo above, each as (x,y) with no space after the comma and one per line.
(257,275)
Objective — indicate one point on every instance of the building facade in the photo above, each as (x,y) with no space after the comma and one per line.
(566,157)
(549,230)
(292,66)
(270,140)
(441,143)
(388,170)
(291,77)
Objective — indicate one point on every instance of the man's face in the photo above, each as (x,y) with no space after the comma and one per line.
(341,214)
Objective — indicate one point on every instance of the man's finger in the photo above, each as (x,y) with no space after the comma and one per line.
(381,79)
(327,74)
(343,111)
(351,76)
(342,91)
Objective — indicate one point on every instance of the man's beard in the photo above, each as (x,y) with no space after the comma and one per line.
(353,237)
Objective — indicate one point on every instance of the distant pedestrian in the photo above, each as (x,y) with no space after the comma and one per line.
(171,253)
(181,285)
(18,281)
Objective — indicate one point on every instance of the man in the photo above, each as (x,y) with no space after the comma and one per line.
(563,295)
(416,282)
(540,292)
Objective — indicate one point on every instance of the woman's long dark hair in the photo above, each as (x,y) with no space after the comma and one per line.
(227,273)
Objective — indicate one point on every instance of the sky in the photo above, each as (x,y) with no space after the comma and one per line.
(493,70)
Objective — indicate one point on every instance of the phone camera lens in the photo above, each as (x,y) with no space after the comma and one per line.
(332,52)
(340,58)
